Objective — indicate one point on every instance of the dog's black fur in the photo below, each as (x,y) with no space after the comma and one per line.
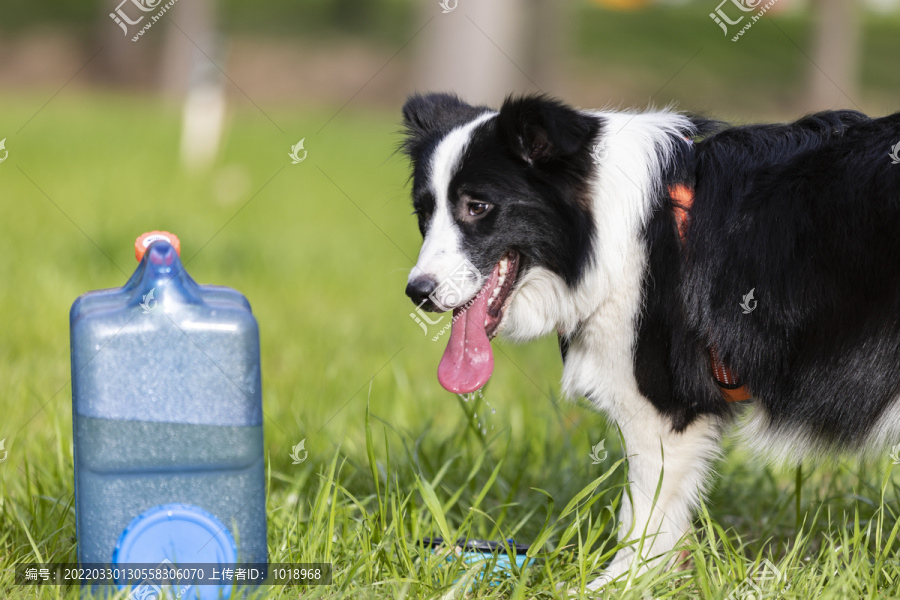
(806,213)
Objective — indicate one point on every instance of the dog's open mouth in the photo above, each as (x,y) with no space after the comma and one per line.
(468,360)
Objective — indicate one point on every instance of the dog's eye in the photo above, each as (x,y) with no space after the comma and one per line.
(477,209)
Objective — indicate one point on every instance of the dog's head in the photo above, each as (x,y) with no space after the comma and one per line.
(497,195)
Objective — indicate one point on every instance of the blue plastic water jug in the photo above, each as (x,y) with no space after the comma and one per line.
(167,419)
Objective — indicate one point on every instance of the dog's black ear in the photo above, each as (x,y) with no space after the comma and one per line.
(427,112)
(539,129)
(430,115)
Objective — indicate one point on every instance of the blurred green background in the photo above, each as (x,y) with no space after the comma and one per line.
(189,130)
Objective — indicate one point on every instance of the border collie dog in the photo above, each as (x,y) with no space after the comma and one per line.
(677,259)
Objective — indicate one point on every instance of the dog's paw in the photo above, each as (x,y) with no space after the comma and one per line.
(608,577)
(564,591)
(603,580)
(592,589)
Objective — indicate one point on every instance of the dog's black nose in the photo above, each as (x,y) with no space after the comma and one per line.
(420,288)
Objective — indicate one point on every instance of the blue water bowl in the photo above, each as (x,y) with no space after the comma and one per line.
(486,552)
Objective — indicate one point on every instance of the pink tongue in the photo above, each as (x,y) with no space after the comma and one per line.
(468,361)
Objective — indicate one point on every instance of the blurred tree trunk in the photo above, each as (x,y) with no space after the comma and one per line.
(543,43)
(190,75)
(354,15)
(834,81)
(180,58)
(121,62)
(477,50)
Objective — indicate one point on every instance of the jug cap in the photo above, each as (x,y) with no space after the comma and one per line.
(144,240)
(175,531)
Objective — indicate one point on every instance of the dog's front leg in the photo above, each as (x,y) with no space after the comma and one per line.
(682,460)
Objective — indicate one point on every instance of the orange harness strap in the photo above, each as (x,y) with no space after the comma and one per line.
(730,386)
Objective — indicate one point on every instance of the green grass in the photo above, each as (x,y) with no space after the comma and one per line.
(392,458)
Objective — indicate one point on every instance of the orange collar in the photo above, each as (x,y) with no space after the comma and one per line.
(730,386)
